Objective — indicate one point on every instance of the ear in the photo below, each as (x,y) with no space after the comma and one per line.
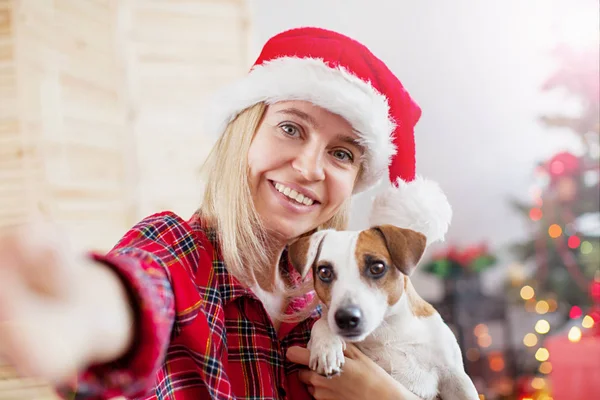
(406,246)
(304,251)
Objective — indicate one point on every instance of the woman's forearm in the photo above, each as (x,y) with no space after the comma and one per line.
(111,326)
(397,391)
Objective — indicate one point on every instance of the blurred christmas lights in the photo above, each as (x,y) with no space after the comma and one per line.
(542,354)
(542,327)
(527,292)
(575,334)
(554,231)
(530,340)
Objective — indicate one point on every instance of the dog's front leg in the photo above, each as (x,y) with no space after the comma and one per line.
(456,385)
(326,350)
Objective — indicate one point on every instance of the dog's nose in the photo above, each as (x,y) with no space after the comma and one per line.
(348,317)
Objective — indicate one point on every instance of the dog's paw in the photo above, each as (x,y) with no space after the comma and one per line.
(327,355)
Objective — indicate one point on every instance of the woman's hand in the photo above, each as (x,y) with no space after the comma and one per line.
(55,306)
(360,379)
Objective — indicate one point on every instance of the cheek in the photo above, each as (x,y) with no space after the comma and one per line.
(340,187)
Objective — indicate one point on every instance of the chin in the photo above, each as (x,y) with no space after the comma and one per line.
(285,231)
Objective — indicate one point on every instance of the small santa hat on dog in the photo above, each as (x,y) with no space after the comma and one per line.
(341,75)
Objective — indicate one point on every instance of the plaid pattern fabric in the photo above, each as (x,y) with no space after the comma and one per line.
(199,333)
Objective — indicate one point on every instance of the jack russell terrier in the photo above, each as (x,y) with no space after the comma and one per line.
(362,280)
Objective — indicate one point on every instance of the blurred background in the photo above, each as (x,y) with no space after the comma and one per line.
(101,105)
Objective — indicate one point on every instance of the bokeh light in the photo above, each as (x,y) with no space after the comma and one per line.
(542,354)
(542,326)
(554,231)
(527,292)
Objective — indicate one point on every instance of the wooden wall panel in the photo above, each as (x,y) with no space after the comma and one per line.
(100,120)
(100,113)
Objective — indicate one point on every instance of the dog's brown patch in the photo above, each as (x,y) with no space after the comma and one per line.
(419,307)
(322,289)
(371,244)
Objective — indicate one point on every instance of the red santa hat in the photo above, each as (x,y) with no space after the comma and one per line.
(341,75)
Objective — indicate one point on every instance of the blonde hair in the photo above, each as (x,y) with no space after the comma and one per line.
(228,207)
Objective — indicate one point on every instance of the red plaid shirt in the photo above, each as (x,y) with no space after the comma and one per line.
(199,333)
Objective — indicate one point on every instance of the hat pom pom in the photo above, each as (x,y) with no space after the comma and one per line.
(420,205)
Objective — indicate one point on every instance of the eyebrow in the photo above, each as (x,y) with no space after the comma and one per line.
(300,114)
(351,141)
(311,121)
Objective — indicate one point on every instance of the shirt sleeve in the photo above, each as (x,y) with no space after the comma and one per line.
(156,261)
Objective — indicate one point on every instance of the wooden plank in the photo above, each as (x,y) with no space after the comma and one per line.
(205,9)
(6,51)
(6,19)
(99,12)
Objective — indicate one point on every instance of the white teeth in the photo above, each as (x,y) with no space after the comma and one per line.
(292,194)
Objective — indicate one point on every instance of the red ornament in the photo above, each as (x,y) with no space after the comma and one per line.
(562,165)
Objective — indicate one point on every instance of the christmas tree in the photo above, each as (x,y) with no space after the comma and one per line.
(564,215)
(558,276)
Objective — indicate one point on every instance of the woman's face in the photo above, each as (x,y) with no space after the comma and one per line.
(303,162)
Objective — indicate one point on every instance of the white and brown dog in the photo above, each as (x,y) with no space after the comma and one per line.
(362,280)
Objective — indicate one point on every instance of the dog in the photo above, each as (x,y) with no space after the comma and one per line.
(362,280)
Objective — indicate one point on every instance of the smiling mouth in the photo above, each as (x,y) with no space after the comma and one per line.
(291,194)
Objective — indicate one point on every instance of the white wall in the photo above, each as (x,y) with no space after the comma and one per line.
(476,68)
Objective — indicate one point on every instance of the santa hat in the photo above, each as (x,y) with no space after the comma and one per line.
(341,75)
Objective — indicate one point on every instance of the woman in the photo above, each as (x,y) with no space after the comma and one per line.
(194,309)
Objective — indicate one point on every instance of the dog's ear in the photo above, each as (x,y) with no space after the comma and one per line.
(304,251)
(406,246)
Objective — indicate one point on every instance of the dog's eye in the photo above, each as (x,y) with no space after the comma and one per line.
(377,269)
(325,273)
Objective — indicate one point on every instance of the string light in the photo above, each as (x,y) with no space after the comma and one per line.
(553,305)
(575,312)
(497,363)
(530,340)
(535,214)
(484,340)
(573,242)
(545,367)
(542,354)
(554,231)
(480,329)
(588,322)
(542,327)
(527,292)
(575,334)
(586,247)
(473,354)
(542,307)
(538,383)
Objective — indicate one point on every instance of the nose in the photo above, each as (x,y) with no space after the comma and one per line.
(309,163)
(348,317)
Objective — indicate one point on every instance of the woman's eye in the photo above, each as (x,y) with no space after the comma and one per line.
(290,130)
(343,155)
(325,274)
(377,269)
